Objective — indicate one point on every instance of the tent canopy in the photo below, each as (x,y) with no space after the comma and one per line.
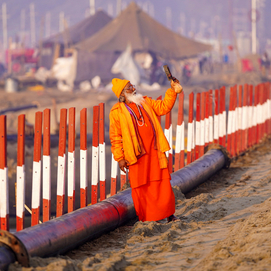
(134,26)
(81,30)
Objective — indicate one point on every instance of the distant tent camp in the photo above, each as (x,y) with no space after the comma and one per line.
(133,26)
(136,27)
(82,30)
(72,35)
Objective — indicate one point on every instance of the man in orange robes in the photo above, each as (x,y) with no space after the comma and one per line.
(138,143)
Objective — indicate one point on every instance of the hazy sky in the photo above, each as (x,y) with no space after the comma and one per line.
(196,15)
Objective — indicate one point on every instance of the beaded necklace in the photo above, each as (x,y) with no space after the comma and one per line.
(134,114)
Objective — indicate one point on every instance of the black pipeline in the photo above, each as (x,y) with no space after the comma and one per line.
(201,170)
(64,233)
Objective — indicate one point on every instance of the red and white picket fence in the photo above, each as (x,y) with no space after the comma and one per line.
(245,124)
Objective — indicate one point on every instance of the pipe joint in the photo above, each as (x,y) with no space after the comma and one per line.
(16,246)
(225,152)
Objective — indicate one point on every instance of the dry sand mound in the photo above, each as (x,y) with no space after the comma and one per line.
(247,246)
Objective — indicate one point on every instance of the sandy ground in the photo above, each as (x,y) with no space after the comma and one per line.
(225,225)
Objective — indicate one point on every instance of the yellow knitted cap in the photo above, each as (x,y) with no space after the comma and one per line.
(118,85)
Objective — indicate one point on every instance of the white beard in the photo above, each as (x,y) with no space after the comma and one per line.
(134,98)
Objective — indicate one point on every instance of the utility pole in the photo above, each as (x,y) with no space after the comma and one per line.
(202,27)
(182,24)
(118,7)
(146,7)
(168,17)
(140,4)
(151,10)
(110,9)
(22,25)
(61,21)
(253,26)
(23,20)
(123,5)
(231,21)
(40,38)
(192,28)
(48,24)
(32,24)
(4,22)
(215,24)
(91,7)
(9,55)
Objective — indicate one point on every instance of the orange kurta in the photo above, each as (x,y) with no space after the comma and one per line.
(125,143)
(151,190)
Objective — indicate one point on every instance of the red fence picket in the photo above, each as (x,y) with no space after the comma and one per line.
(20,177)
(95,154)
(46,166)
(244,132)
(4,189)
(198,132)
(250,115)
(102,160)
(211,119)
(239,131)
(71,160)
(83,158)
(216,118)
(234,121)
(222,117)
(168,134)
(179,146)
(190,131)
(202,125)
(206,119)
(230,122)
(36,176)
(61,166)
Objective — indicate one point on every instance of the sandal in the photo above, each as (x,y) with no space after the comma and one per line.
(172,218)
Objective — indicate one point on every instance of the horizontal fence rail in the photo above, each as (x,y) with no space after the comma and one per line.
(245,122)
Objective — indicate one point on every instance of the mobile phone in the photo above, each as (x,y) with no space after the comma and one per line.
(168,73)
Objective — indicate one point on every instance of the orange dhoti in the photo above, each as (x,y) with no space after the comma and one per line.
(151,189)
(154,200)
